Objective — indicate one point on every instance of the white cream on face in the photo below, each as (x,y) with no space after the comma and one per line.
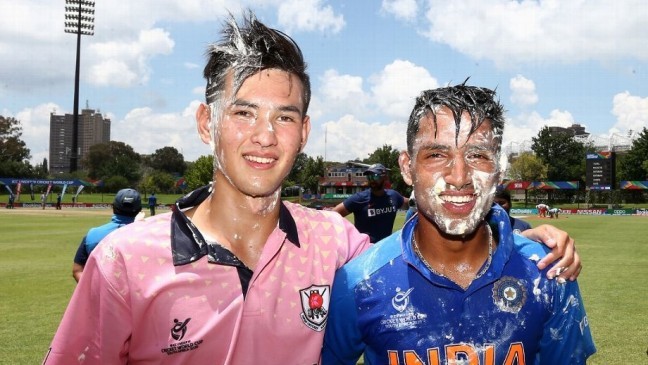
(478,176)
(483,190)
(256,134)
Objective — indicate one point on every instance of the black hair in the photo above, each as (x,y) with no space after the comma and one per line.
(503,194)
(249,48)
(479,102)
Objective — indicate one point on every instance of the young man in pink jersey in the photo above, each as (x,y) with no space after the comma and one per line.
(248,284)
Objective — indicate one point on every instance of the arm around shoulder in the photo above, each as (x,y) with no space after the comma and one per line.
(568,319)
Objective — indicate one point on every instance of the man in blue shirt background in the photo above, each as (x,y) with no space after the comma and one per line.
(455,285)
(152,203)
(126,207)
(374,209)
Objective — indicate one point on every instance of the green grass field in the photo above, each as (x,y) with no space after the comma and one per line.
(37,248)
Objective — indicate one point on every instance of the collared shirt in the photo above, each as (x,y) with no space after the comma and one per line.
(155,292)
(389,305)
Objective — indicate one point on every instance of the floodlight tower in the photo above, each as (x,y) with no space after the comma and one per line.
(79,20)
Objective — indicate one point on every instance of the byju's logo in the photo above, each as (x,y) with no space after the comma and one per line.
(179,330)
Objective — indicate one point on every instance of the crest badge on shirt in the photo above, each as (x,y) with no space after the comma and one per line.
(315,302)
(509,294)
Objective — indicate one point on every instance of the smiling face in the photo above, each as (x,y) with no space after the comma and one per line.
(454,179)
(257,133)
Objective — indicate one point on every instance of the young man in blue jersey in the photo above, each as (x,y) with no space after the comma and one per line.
(374,209)
(452,286)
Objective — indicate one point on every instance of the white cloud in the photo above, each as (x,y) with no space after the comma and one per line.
(125,64)
(631,113)
(509,32)
(36,51)
(523,91)
(35,124)
(309,15)
(147,131)
(521,128)
(342,92)
(401,9)
(397,85)
(349,138)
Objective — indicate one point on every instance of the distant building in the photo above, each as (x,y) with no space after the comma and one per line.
(343,179)
(574,130)
(93,129)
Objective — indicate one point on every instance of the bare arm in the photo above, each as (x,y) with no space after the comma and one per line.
(77,271)
(563,250)
(341,209)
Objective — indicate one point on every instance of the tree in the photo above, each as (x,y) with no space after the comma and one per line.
(42,169)
(634,165)
(562,153)
(168,159)
(113,159)
(311,174)
(528,167)
(294,177)
(163,181)
(115,183)
(14,153)
(200,173)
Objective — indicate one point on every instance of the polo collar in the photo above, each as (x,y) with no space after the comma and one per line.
(189,245)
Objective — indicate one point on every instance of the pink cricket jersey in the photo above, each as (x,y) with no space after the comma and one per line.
(154,292)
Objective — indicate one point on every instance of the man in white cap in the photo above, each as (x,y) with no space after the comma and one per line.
(374,209)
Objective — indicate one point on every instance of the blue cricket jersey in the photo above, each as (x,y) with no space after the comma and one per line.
(388,305)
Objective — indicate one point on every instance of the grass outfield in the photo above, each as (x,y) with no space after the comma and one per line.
(37,248)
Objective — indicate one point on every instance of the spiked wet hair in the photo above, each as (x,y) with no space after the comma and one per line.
(479,102)
(249,48)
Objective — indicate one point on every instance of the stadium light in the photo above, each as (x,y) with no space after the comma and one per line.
(79,20)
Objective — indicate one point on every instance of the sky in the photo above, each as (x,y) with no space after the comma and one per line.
(552,62)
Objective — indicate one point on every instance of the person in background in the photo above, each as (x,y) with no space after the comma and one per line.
(152,202)
(43,198)
(553,212)
(58,201)
(374,209)
(503,198)
(542,210)
(193,286)
(10,204)
(455,285)
(126,206)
